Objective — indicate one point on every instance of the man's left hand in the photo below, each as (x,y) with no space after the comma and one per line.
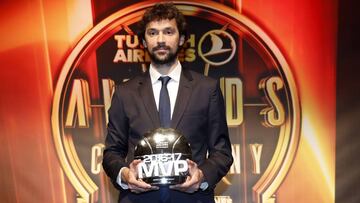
(192,182)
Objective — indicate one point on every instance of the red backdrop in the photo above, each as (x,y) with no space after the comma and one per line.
(37,37)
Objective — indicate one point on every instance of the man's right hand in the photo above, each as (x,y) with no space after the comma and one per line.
(129,176)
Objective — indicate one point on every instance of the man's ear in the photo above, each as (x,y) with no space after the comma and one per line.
(144,43)
(182,40)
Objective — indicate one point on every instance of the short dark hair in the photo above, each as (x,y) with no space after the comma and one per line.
(162,11)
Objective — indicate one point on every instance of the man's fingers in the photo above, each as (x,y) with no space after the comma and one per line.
(133,167)
(136,161)
(187,183)
(134,164)
(190,162)
(192,166)
(189,186)
(192,182)
(138,186)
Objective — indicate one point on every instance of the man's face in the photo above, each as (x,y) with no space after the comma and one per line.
(162,41)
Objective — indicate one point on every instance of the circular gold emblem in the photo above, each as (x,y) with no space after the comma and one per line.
(217,47)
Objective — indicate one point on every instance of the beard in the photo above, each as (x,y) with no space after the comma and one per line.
(168,59)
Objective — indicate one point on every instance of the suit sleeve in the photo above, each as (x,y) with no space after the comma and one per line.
(219,158)
(116,142)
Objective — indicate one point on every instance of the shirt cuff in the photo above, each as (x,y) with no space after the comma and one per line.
(118,180)
(204,186)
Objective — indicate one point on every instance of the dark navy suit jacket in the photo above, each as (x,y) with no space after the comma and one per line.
(199,114)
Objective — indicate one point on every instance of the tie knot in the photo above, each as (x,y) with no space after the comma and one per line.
(164,80)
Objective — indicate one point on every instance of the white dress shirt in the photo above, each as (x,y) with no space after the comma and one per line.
(172,86)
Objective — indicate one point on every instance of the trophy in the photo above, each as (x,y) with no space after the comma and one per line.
(163,152)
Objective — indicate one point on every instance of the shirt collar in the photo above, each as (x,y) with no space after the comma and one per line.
(174,74)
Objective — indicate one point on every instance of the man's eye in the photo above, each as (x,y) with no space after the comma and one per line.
(169,32)
(152,33)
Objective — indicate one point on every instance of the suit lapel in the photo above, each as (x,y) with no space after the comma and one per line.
(182,98)
(146,93)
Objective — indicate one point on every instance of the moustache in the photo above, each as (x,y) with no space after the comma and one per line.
(161,47)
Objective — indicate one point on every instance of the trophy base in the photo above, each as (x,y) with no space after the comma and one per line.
(164,181)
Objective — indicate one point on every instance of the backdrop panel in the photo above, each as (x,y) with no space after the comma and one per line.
(275,61)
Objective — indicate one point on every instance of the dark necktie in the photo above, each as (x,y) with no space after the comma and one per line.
(164,103)
(164,114)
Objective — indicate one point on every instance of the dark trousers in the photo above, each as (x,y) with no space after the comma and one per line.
(175,197)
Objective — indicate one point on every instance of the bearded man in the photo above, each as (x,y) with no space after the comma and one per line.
(194,107)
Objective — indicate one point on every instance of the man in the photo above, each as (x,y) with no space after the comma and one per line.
(197,111)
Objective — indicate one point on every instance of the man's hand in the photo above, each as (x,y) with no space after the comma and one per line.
(192,182)
(129,175)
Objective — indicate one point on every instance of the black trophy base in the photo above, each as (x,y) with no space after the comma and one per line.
(164,181)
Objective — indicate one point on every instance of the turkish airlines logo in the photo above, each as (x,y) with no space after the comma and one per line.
(217,46)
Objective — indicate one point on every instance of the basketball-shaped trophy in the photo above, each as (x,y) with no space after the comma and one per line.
(163,153)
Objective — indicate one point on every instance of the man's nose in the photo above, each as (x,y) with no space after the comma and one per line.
(160,38)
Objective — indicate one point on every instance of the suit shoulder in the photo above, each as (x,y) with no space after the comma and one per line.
(132,82)
(128,86)
(200,78)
